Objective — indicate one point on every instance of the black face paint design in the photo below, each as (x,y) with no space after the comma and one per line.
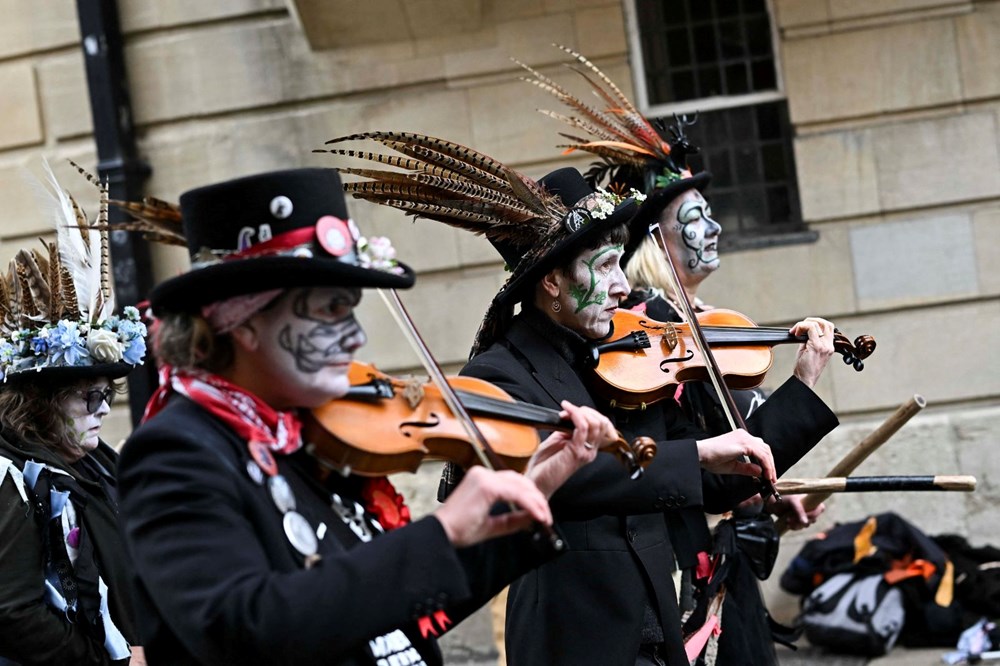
(319,334)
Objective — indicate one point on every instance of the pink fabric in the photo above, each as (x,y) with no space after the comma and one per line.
(696,642)
(224,316)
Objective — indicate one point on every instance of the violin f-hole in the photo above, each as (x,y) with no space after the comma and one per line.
(683,359)
(434,421)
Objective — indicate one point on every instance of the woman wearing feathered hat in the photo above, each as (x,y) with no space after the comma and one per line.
(243,556)
(686,232)
(563,242)
(64,575)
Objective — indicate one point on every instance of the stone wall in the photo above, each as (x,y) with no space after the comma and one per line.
(896,105)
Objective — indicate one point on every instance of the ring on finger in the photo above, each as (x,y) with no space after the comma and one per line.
(588,445)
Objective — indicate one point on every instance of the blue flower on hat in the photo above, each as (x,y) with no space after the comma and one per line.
(136,349)
(66,346)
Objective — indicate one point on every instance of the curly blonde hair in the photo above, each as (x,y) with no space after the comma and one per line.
(647,268)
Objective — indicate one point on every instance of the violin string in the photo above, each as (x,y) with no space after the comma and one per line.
(726,400)
(480,445)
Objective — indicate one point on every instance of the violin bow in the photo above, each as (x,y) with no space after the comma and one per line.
(487,456)
(727,402)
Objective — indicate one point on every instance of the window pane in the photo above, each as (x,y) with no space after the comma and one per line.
(758,32)
(763,75)
(779,206)
(726,8)
(736,79)
(704,44)
(731,39)
(717,161)
(773,158)
(709,82)
(683,84)
(678,47)
(701,10)
(725,210)
(768,121)
(747,165)
(753,208)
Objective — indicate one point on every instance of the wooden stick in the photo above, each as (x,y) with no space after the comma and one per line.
(864,448)
(874,484)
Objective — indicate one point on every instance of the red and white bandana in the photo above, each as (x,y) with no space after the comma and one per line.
(249,416)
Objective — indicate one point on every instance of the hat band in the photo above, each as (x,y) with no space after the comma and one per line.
(277,244)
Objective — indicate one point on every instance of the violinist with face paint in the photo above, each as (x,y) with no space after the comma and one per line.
(676,223)
(243,553)
(630,542)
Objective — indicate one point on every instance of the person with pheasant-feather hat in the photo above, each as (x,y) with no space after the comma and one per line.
(64,571)
(563,242)
(247,550)
(633,150)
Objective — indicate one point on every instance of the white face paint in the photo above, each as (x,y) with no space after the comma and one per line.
(307,340)
(590,293)
(84,427)
(692,236)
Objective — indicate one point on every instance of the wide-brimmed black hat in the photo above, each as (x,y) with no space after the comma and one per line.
(275,230)
(592,214)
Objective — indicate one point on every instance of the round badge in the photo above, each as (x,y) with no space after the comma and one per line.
(281,207)
(255,472)
(261,454)
(281,493)
(300,533)
(334,236)
(576,219)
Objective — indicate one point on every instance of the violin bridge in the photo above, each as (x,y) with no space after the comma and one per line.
(413,393)
(669,337)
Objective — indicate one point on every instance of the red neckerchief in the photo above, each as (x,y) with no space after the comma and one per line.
(249,416)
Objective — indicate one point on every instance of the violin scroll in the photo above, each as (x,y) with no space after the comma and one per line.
(635,456)
(853,353)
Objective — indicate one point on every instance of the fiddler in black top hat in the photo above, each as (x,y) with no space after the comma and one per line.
(534,225)
(275,230)
(57,304)
(632,150)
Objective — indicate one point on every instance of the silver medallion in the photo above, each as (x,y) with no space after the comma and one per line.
(300,533)
(281,493)
(255,472)
(353,517)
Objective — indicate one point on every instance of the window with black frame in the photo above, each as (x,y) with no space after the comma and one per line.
(717,56)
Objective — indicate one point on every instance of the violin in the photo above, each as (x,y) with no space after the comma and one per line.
(649,358)
(386,425)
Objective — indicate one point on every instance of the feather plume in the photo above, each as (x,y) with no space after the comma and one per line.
(620,134)
(444,181)
(158,221)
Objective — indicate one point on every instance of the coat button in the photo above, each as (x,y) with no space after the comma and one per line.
(631,534)
(681,500)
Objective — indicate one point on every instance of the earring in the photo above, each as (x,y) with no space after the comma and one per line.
(556,306)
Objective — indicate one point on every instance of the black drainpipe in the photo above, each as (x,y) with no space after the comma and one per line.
(118,162)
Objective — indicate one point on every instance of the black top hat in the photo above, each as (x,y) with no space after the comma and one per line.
(275,230)
(592,214)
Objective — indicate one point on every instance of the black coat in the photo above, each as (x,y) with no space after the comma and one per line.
(624,536)
(220,583)
(32,632)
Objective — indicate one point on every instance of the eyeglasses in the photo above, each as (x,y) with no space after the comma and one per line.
(95,397)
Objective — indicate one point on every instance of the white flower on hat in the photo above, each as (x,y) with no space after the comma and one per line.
(378,253)
(104,346)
